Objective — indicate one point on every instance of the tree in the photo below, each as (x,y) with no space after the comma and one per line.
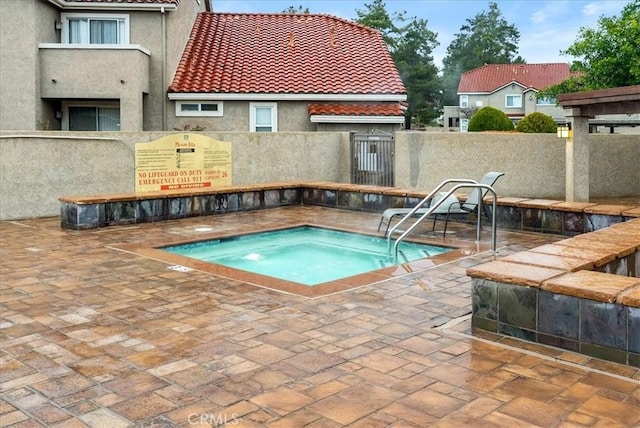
(411,44)
(490,119)
(537,122)
(608,56)
(486,39)
(300,9)
(376,16)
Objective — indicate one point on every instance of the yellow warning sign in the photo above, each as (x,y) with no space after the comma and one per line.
(182,161)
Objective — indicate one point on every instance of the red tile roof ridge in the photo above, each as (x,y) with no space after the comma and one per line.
(490,77)
(523,65)
(301,15)
(356,109)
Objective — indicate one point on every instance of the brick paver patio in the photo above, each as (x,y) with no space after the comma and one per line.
(98,337)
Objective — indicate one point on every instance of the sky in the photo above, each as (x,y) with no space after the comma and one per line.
(546,27)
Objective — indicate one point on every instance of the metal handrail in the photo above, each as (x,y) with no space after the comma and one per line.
(465,183)
(427,199)
(424,201)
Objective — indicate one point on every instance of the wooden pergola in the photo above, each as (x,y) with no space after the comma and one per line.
(579,107)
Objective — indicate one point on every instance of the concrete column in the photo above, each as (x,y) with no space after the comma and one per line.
(577,158)
(131,111)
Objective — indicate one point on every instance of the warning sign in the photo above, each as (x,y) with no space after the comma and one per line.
(182,161)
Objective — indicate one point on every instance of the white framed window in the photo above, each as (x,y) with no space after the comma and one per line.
(546,101)
(263,117)
(513,101)
(93,118)
(464,101)
(204,108)
(95,29)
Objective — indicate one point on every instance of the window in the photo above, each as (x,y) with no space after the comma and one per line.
(206,108)
(95,29)
(94,119)
(546,101)
(464,101)
(513,101)
(263,117)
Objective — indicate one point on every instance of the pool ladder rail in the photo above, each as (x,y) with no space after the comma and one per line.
(462,183)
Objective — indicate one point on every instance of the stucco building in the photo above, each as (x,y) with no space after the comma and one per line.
(90,64)
(132,65)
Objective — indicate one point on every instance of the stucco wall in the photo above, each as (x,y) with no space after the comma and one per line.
(148,29)
(293,116)
(78,82)
(534,164)
(614,165)
(179,24)
(18,79)
(36,169)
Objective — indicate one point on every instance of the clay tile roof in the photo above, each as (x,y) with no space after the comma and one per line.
(176,2)
(284,53)
(491,77)
(356,109)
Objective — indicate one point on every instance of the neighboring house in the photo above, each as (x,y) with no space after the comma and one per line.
(512,88)
(90,64)
(285,72)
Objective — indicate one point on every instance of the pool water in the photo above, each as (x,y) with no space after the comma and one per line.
(306,255)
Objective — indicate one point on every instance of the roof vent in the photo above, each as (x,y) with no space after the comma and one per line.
(291,41)
(332,33)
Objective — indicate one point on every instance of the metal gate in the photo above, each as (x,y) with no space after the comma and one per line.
(372,158)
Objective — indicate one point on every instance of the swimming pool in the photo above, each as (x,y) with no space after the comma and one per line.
(305,255)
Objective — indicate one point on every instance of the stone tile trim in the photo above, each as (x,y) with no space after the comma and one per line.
(571,272)
(544,215)
(633,212)
(514,273)
(608,209)
(137,196)
(582,294)
(606,330)
(593,285)
(537,203)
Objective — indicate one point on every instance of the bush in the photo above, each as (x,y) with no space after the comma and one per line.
(490,119)
(537,122)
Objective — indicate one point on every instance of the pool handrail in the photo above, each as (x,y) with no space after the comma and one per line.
(463,183)
(426,199)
